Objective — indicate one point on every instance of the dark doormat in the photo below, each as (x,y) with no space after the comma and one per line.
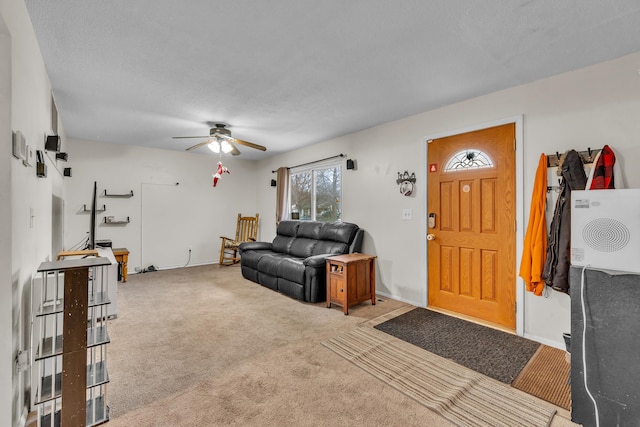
(491,352)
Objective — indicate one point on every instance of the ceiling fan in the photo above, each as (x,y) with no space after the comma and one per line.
(220,140)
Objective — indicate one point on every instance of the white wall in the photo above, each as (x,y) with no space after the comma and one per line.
(30,241)
(5,227)
(165,219)
(587,108)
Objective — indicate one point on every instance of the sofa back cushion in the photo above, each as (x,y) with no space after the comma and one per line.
(307,237)
(342,232)
(286,233)
(302,239)
(302,247)
(335,238)
(329,247)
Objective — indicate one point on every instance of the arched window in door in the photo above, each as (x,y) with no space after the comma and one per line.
(468,159)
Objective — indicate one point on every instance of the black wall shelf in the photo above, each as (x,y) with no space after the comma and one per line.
(115,222)
(106,194)
(98,209)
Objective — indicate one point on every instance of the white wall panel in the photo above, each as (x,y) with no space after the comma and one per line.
(587,108)
(165,219)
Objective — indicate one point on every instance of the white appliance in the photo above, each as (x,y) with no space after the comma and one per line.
(605,229)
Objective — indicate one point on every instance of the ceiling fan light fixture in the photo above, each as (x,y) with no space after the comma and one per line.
(225,146)
(214,145)
(217,145)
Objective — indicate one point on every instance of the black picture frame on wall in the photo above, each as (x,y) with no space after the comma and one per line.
(52,143)
(41,167)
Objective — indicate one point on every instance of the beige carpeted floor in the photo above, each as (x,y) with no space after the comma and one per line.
(201,346)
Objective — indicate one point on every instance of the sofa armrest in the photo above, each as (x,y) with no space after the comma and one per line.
(254,246)
(316,260)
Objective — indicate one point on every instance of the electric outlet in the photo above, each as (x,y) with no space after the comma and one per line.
(407,214)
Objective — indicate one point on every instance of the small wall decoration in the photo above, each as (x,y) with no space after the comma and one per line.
(28,159)
(19,146)
(406,181)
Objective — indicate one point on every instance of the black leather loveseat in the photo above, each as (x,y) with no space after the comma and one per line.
(294,263)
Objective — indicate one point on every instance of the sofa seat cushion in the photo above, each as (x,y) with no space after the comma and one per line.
(292,269)
(251,258)
(269,263)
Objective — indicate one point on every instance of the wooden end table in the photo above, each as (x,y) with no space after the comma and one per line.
(122,257)
(351,279)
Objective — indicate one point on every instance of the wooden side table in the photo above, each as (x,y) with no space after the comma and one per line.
(83,252)
(122,256)
(351,279)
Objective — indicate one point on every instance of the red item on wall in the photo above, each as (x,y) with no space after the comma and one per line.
(603,178)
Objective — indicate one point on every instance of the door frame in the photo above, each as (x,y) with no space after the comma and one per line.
(519,186)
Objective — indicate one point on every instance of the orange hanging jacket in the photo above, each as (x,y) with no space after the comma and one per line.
(535,241)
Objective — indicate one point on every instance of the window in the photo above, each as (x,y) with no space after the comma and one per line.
(316,194)
(468,159)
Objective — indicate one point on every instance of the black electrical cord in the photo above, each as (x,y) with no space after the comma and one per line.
(189,259)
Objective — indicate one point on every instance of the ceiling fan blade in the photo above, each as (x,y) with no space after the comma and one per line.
(235,150)
(249,144)
(200,144)
(182,137)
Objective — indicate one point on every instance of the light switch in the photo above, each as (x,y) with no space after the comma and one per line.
(407,215)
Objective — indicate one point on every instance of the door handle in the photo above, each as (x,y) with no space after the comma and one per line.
(431,236)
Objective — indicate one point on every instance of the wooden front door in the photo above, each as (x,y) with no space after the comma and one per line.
(472,241)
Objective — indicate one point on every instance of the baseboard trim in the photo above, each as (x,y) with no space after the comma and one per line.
(397,298)
(173,267)
(556,344)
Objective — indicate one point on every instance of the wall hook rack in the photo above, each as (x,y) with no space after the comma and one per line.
(588,156)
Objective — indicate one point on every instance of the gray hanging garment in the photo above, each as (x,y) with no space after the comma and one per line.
(556,268)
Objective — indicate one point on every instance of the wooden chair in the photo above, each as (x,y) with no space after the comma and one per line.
(246,231)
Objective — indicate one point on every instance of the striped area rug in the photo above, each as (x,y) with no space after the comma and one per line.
(458,394)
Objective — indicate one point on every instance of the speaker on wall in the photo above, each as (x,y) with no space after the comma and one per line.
(62,156)
(351,164)
(67,171)
(273,183)
(52,143)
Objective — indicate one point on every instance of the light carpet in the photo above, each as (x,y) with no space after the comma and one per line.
(458,394)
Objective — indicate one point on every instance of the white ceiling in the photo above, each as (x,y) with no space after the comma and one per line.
(288,73)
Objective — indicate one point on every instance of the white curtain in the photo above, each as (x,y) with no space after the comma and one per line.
(282,194)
